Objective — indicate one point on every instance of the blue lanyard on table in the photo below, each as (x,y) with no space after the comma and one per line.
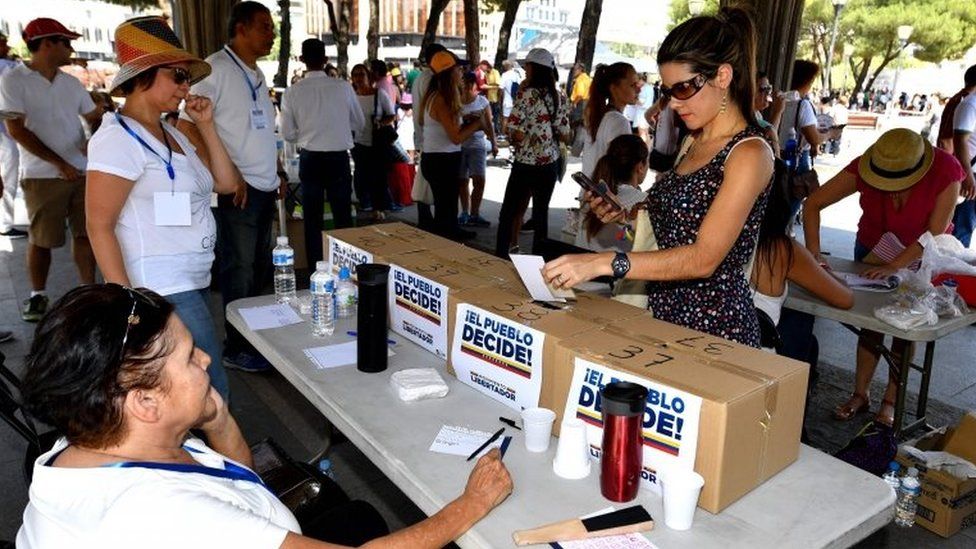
(169,163)
(253,87)
(230,471)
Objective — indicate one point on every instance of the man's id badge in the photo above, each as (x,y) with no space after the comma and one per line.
(259,120)
(172,209)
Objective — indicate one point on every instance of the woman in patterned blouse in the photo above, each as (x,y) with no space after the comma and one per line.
(539,120)
(706,211)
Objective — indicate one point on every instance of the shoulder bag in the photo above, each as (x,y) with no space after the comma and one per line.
(803,184)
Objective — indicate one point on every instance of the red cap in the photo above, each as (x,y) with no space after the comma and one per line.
(44,27)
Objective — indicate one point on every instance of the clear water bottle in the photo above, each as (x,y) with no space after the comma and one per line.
(908,499)
(283,258)
(346,298)
(322,287)
(789,150)
(891,476)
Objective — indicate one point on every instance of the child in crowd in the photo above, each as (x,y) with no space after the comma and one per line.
(474,153)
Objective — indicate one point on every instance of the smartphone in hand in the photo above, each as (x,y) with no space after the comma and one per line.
(600,189)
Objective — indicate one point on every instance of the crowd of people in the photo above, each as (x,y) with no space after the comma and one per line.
(186,174)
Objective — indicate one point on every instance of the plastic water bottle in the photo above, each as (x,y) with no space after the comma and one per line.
(891,477)
(789,150)
(907,499)
(325,466)
(345,294)
(283,258)
(322,287)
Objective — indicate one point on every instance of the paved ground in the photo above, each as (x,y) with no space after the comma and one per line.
(266,405)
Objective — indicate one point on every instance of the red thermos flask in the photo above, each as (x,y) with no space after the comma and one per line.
(623,448)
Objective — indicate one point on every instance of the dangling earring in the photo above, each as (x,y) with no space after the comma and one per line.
(725,102)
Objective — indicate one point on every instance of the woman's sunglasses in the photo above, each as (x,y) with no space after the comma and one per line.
(132,319)
(685,89)
(180,75)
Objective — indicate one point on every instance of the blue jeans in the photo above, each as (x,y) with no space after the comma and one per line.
(964,221)
(194,311)
(244,246)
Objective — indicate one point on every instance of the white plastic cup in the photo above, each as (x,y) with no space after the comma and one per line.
(572,454)
(681,491)
(537,424)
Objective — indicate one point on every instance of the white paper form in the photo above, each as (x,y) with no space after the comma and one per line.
(461,441)
(529,268)
(858,282)
(334,356)
(270,316)
(623,541)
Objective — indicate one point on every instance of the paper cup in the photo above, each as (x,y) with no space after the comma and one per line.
(572,454)
(681,490)
(537,424)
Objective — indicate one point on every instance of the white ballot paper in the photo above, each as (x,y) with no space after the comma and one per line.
(529,268)
(858,282)
(622,541)
(270,316)
(333,356)
(461,441)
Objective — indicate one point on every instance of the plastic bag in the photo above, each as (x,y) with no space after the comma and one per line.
(945,254)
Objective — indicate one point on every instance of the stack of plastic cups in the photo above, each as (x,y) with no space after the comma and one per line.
(572,454)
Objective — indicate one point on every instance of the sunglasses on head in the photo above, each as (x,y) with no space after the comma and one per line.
(132,319)
(686,89)
(180,75)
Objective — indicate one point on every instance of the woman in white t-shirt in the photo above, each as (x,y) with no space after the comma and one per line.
(372,160)
(614,87)
(148,191)
(474,152)
(116,373)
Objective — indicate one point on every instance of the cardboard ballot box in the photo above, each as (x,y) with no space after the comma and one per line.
(602,310)
(947,503)
(414,236)
(423,295)
(500,271)
(508,347)
(736,424)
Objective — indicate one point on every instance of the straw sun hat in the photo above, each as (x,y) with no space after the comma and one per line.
(146,42)
(899,159)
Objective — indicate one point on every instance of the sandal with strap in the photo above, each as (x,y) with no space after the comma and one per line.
(857,404)
(886,413)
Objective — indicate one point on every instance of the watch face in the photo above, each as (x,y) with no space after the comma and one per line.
(620,265)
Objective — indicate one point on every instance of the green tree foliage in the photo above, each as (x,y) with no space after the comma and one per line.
(680,12)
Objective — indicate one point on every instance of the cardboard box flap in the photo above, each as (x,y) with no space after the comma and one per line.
(602,310)
(413,235)
(438,269)
(962,441)
(550,318)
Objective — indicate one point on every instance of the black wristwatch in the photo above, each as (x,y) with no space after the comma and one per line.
(620,265)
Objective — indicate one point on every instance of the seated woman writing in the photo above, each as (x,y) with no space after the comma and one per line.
(117,373)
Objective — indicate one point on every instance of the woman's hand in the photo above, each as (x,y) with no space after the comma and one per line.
(489,483)
(199,109)
(219,421)
(572,269)
(605,211)
(879,273)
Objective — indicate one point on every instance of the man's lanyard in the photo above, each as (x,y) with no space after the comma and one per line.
(169,163)
(253,87)
(230,471)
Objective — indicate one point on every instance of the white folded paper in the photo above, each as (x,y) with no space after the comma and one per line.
(418,384)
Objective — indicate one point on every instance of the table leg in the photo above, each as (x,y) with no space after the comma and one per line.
(904,367)
(923,388)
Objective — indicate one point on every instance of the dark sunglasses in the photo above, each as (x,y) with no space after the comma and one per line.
(180,75)
(132,319)
(685,89)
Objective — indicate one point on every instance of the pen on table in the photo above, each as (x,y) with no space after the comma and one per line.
(509,422)
(354,333)
(493,438)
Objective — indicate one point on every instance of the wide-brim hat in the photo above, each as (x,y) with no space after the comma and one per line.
(541,56)
(899,159)
(146,42)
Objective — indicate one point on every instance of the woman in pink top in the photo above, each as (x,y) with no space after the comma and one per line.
(907,188)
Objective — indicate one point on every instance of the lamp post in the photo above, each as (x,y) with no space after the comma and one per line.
(695,7)
(838,7)
(904,33)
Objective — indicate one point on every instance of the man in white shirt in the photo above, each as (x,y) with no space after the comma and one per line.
(245,119)
(45,104)
(511,79)
(964,148)
(321,114)
(9,161)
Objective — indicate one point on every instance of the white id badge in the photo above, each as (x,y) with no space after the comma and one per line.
(258,120)
(172,209)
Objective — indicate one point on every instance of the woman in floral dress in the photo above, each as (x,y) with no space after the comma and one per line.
(706,212)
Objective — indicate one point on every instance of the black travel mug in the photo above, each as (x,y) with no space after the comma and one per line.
(371,349)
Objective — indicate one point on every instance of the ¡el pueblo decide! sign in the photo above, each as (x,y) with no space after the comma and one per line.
(418,309)
(498,357)
(669,426)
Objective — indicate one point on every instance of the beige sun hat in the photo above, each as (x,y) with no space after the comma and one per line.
(146,42)
(899,159)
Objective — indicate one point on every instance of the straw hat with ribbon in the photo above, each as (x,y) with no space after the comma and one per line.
(146,42)
(899,159)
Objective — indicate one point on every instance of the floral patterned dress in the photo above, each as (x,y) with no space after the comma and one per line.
(721,304)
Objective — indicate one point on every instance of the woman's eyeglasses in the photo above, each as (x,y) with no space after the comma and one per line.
(180,75)
(685,89)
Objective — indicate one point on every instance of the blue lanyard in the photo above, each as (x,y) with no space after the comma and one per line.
(169,163)
(254,88)
(230,471)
